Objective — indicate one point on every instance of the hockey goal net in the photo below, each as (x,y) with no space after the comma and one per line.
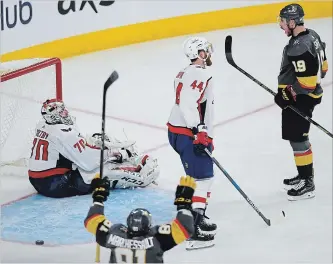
(24,85)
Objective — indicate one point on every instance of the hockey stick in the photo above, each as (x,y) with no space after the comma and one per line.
(228,54)
(98,254)
(267,221)
(112,78)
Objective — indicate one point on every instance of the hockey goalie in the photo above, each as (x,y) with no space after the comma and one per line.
(63,161)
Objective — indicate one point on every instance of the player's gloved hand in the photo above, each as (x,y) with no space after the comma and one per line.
(200,141)
(121,155)
(95,140)
(101,189)
(184,193)
(285,97)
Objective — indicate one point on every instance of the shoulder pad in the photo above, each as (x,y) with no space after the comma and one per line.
(119,230)
(313,33)
(205,74)
(119,226)
(299,46)
(154,230)
(66,129)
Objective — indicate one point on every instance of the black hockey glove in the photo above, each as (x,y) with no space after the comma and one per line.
(184,193)
(200,141)
(101,189)
(285,97)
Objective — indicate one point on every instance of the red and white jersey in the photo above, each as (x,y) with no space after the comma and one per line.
(194,101)
(57,147)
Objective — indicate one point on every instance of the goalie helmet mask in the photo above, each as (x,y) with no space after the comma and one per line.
(194,45)
(139,222)
(54,112)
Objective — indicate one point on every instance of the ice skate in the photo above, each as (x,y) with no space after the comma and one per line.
(205,232)
(288,184)
(305,189)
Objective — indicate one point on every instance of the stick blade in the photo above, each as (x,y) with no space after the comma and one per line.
(112,78)
(228,44)
(228,50)
(267,221)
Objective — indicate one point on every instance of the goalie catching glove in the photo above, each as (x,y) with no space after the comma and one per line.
(117,151)
(184,193)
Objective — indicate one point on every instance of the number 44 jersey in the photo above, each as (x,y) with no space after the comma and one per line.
(304,64)
(194,101)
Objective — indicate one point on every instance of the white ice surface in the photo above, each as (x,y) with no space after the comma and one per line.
(247,143)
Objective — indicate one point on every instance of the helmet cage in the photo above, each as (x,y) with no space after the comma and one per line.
(55,112)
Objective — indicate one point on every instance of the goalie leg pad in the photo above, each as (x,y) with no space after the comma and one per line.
(129,175)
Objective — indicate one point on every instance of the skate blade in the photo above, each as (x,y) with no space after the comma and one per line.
(195,244)
(308,195)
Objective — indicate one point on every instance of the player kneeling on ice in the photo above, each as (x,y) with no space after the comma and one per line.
(139,241)
(63,162)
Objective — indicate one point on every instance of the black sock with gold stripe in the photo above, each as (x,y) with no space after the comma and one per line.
(303,158)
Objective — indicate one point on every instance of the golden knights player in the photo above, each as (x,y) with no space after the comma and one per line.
(139,241)
(303,66)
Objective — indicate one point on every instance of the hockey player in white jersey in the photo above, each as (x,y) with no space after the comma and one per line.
(190,131)
(63,162)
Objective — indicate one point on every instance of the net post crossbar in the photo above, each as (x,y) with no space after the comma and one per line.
(24,85)
(38,66)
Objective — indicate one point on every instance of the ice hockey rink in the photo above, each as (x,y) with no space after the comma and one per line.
(247,143)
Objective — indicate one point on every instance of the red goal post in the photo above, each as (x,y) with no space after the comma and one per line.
(24,85)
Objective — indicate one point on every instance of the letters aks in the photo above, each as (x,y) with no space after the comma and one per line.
(72,6)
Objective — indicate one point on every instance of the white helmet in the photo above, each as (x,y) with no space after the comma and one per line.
(55,112)
(194,44)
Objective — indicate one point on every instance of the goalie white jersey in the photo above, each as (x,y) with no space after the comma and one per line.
(55,149)
(58,149)
(194,101)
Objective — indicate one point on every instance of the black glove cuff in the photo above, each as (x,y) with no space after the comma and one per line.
(184,206)
(195,130)
(98,199)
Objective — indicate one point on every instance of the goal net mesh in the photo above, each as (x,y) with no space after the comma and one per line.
(24,85)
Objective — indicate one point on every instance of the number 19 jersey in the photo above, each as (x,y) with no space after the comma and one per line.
(194,101)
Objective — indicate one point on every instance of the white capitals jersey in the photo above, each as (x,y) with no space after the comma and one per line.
(194,103)
(56,148)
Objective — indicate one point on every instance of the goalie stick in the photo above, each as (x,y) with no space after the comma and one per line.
(112,78)
(267,221)
(228,54)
